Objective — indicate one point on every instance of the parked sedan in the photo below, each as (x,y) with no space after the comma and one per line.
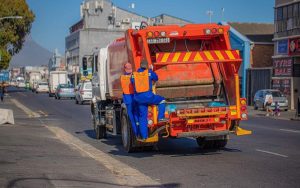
(42,87)
(65,91)
(83,92)
(260,96)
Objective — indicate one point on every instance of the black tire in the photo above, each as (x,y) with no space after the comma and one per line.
(255,107)
(76,101)
(128,138)
(81,102)
(100,132)
(211,144)
(55,97)
(202,143)
(58,98)
(36,92)
(220,143)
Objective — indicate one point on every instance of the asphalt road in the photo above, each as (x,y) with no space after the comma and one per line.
(267,158)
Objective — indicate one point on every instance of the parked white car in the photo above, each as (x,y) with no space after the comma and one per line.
(83,92)
(42,87)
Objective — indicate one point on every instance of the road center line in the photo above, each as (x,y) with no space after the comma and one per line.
(272,153)
(290,130)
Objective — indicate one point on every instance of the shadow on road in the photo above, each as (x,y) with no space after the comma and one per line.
(74,182)
(171,147)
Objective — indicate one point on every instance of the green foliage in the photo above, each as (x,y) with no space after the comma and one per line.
(13,31)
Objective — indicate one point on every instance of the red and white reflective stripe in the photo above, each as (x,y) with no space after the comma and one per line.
(214,55)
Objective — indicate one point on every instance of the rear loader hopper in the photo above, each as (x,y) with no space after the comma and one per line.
(198,76)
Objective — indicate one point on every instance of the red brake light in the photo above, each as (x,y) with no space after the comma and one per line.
(214,30)
(156,34)
(243,108)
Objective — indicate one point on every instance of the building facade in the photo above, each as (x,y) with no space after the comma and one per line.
(286,58)
(101,22)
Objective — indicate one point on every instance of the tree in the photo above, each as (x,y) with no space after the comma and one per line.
(13,31)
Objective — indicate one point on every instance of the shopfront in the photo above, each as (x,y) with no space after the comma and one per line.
(286,69)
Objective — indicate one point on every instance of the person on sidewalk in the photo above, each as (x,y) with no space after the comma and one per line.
(268,102)
(143,95)
(277,109)
(2,91)
(128,98)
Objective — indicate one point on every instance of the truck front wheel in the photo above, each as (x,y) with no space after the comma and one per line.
(127,134)
(100,132)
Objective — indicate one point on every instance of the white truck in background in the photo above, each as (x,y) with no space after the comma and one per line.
(34,78)
(56,78)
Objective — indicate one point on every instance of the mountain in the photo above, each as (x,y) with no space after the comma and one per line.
(32,54)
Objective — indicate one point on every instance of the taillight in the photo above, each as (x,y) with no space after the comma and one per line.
(150,116)
(221,30)
(163,34)
(149,34)
(156,34)
(81,92)
(214,31)
(244,113)
(207,31)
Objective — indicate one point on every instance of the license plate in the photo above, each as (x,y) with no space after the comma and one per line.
(158,40)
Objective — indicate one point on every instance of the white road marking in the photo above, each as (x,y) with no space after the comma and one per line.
(272,153)
(126,175)
(290,130)
(29,112)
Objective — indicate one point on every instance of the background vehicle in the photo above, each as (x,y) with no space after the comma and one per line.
(56,78)
(83,93)
(34,77)
(198,76)
(42,87)
(21,82)
(65,91)
(260,95)
(13,82)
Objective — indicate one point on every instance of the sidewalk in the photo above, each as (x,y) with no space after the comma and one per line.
(31,156)
(284,115)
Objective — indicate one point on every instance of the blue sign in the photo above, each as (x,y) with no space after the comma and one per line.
(282,47)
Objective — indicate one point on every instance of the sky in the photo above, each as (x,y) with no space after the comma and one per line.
(54,17)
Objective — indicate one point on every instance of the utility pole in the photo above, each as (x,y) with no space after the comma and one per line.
(223,11)
(210,14)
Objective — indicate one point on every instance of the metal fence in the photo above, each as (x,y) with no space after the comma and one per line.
(257,78)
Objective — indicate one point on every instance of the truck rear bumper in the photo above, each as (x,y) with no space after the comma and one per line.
(203,134)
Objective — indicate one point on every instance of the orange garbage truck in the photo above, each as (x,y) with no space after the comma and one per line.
(198,76)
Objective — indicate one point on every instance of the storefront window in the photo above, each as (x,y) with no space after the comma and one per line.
(296,10)
(279,13)
(284,14)
(290,11)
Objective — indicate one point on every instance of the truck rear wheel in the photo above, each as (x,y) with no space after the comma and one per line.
(128,138)
(203,143)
